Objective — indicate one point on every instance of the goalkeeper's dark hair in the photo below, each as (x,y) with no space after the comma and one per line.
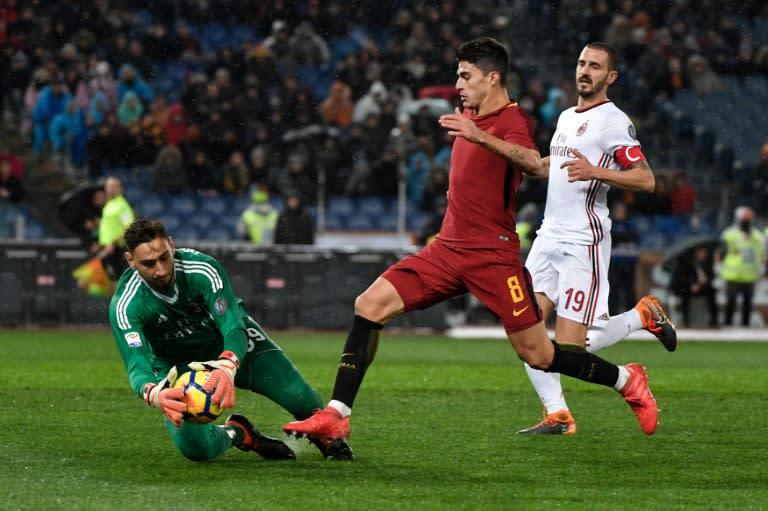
(143,230)
(486,53)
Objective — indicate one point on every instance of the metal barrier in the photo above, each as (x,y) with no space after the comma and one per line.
(283,287)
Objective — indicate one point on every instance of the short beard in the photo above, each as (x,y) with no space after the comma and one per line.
(596,88)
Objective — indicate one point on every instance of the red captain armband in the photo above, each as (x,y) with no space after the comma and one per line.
(627,156)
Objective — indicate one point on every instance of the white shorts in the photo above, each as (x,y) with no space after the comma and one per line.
(574,277)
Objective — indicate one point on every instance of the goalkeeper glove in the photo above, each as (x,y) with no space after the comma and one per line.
(222,379)
(162,395)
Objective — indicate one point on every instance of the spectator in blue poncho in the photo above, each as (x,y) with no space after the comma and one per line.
(552,108)
(98,107)
(52,101)
(131,81)
(69,134)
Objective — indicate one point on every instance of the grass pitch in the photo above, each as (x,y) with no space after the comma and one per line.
(433,429)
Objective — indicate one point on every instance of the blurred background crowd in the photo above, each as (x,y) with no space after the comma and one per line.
(196,105)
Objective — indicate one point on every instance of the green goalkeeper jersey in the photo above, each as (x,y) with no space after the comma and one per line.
(197,319)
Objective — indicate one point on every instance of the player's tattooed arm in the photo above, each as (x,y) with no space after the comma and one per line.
(543,171)
(526,159)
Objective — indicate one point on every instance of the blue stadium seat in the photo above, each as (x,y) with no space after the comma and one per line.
(237,203)
(334,223)
(643,224)
(372,206)
(215,206)
(277,202)
(416,220)
(671,226)
(184,205)
(185,233)
(202,223)
(149,205)
(217,234)
(133,192)
(654,240)
(388,221)
(359,222)
(34,231)
(171,220)
(343,206)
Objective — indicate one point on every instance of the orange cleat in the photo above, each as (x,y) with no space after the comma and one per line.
(638,396)
(656,321)
(558,423)
(326,423)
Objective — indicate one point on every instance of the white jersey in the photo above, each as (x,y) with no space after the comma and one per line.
(578,212)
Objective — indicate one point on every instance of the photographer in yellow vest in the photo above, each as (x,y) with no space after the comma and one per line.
(258,220)
(741,263)
(116,216)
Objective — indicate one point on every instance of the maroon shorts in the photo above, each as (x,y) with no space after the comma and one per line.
(496,277)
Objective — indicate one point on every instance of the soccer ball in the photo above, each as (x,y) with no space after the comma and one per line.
(200,410)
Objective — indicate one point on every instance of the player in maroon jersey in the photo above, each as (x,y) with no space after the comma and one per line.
(477,249)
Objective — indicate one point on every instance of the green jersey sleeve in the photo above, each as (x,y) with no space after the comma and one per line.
(134,348)
(206,276)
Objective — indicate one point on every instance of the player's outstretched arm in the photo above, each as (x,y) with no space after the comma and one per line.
(222,379)
(636,176)
(543,172)
(526,159)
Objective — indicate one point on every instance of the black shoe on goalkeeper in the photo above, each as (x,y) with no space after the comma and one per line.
(266,447)
(334,449)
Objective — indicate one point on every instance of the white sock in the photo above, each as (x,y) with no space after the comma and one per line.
(617,328)
(340,407)
(623,378)
(548,388)
(230,431)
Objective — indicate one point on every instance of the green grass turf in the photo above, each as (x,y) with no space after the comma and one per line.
(433,429)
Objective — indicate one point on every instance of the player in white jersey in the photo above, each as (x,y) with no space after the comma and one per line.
(593,148)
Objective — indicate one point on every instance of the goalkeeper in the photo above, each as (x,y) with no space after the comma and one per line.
(174,310)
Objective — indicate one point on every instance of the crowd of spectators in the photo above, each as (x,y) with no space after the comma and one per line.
(79,81)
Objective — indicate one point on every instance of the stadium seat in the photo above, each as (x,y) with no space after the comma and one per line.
(703,143)
(217,234)
(373,206)
(201,223)
(34,231)
(277,202)
(360,222)
(334,223)
(671,226)
(183,205)
(343,206)
(654,240)
(416,220)
(237,203)
(171,220)
(388,221)
(214,206)
(185,233)
(643,224)
(149,205)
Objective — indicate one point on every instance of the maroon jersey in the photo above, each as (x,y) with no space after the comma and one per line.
(482,192)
